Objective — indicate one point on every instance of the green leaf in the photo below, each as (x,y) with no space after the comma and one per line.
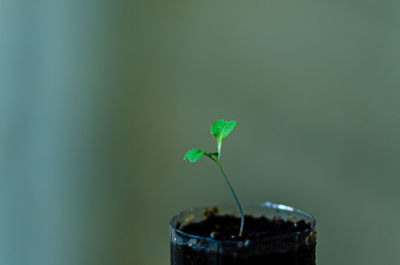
(193,155)
(221,129)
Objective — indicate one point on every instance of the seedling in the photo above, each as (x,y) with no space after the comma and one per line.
(220,129)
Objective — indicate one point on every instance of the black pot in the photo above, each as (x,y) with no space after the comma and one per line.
(295,248)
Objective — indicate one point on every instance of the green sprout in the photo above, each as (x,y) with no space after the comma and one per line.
(220,129)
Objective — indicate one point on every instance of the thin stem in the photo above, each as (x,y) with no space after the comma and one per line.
(234,196)
(210,155)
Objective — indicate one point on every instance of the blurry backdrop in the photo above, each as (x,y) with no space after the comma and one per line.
(99,100)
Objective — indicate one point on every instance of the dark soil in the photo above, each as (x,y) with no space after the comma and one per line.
(264,242)
(227,227)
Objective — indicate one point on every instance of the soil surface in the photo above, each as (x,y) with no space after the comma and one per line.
(264,242)
(227,227)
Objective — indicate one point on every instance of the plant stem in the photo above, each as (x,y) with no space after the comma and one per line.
(216,160)
(234,196)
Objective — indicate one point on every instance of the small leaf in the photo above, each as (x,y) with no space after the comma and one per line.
(193,155)
(222,128)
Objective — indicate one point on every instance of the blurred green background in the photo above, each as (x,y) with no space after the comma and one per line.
(99,100)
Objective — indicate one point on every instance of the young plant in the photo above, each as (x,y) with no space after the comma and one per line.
(220,129)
